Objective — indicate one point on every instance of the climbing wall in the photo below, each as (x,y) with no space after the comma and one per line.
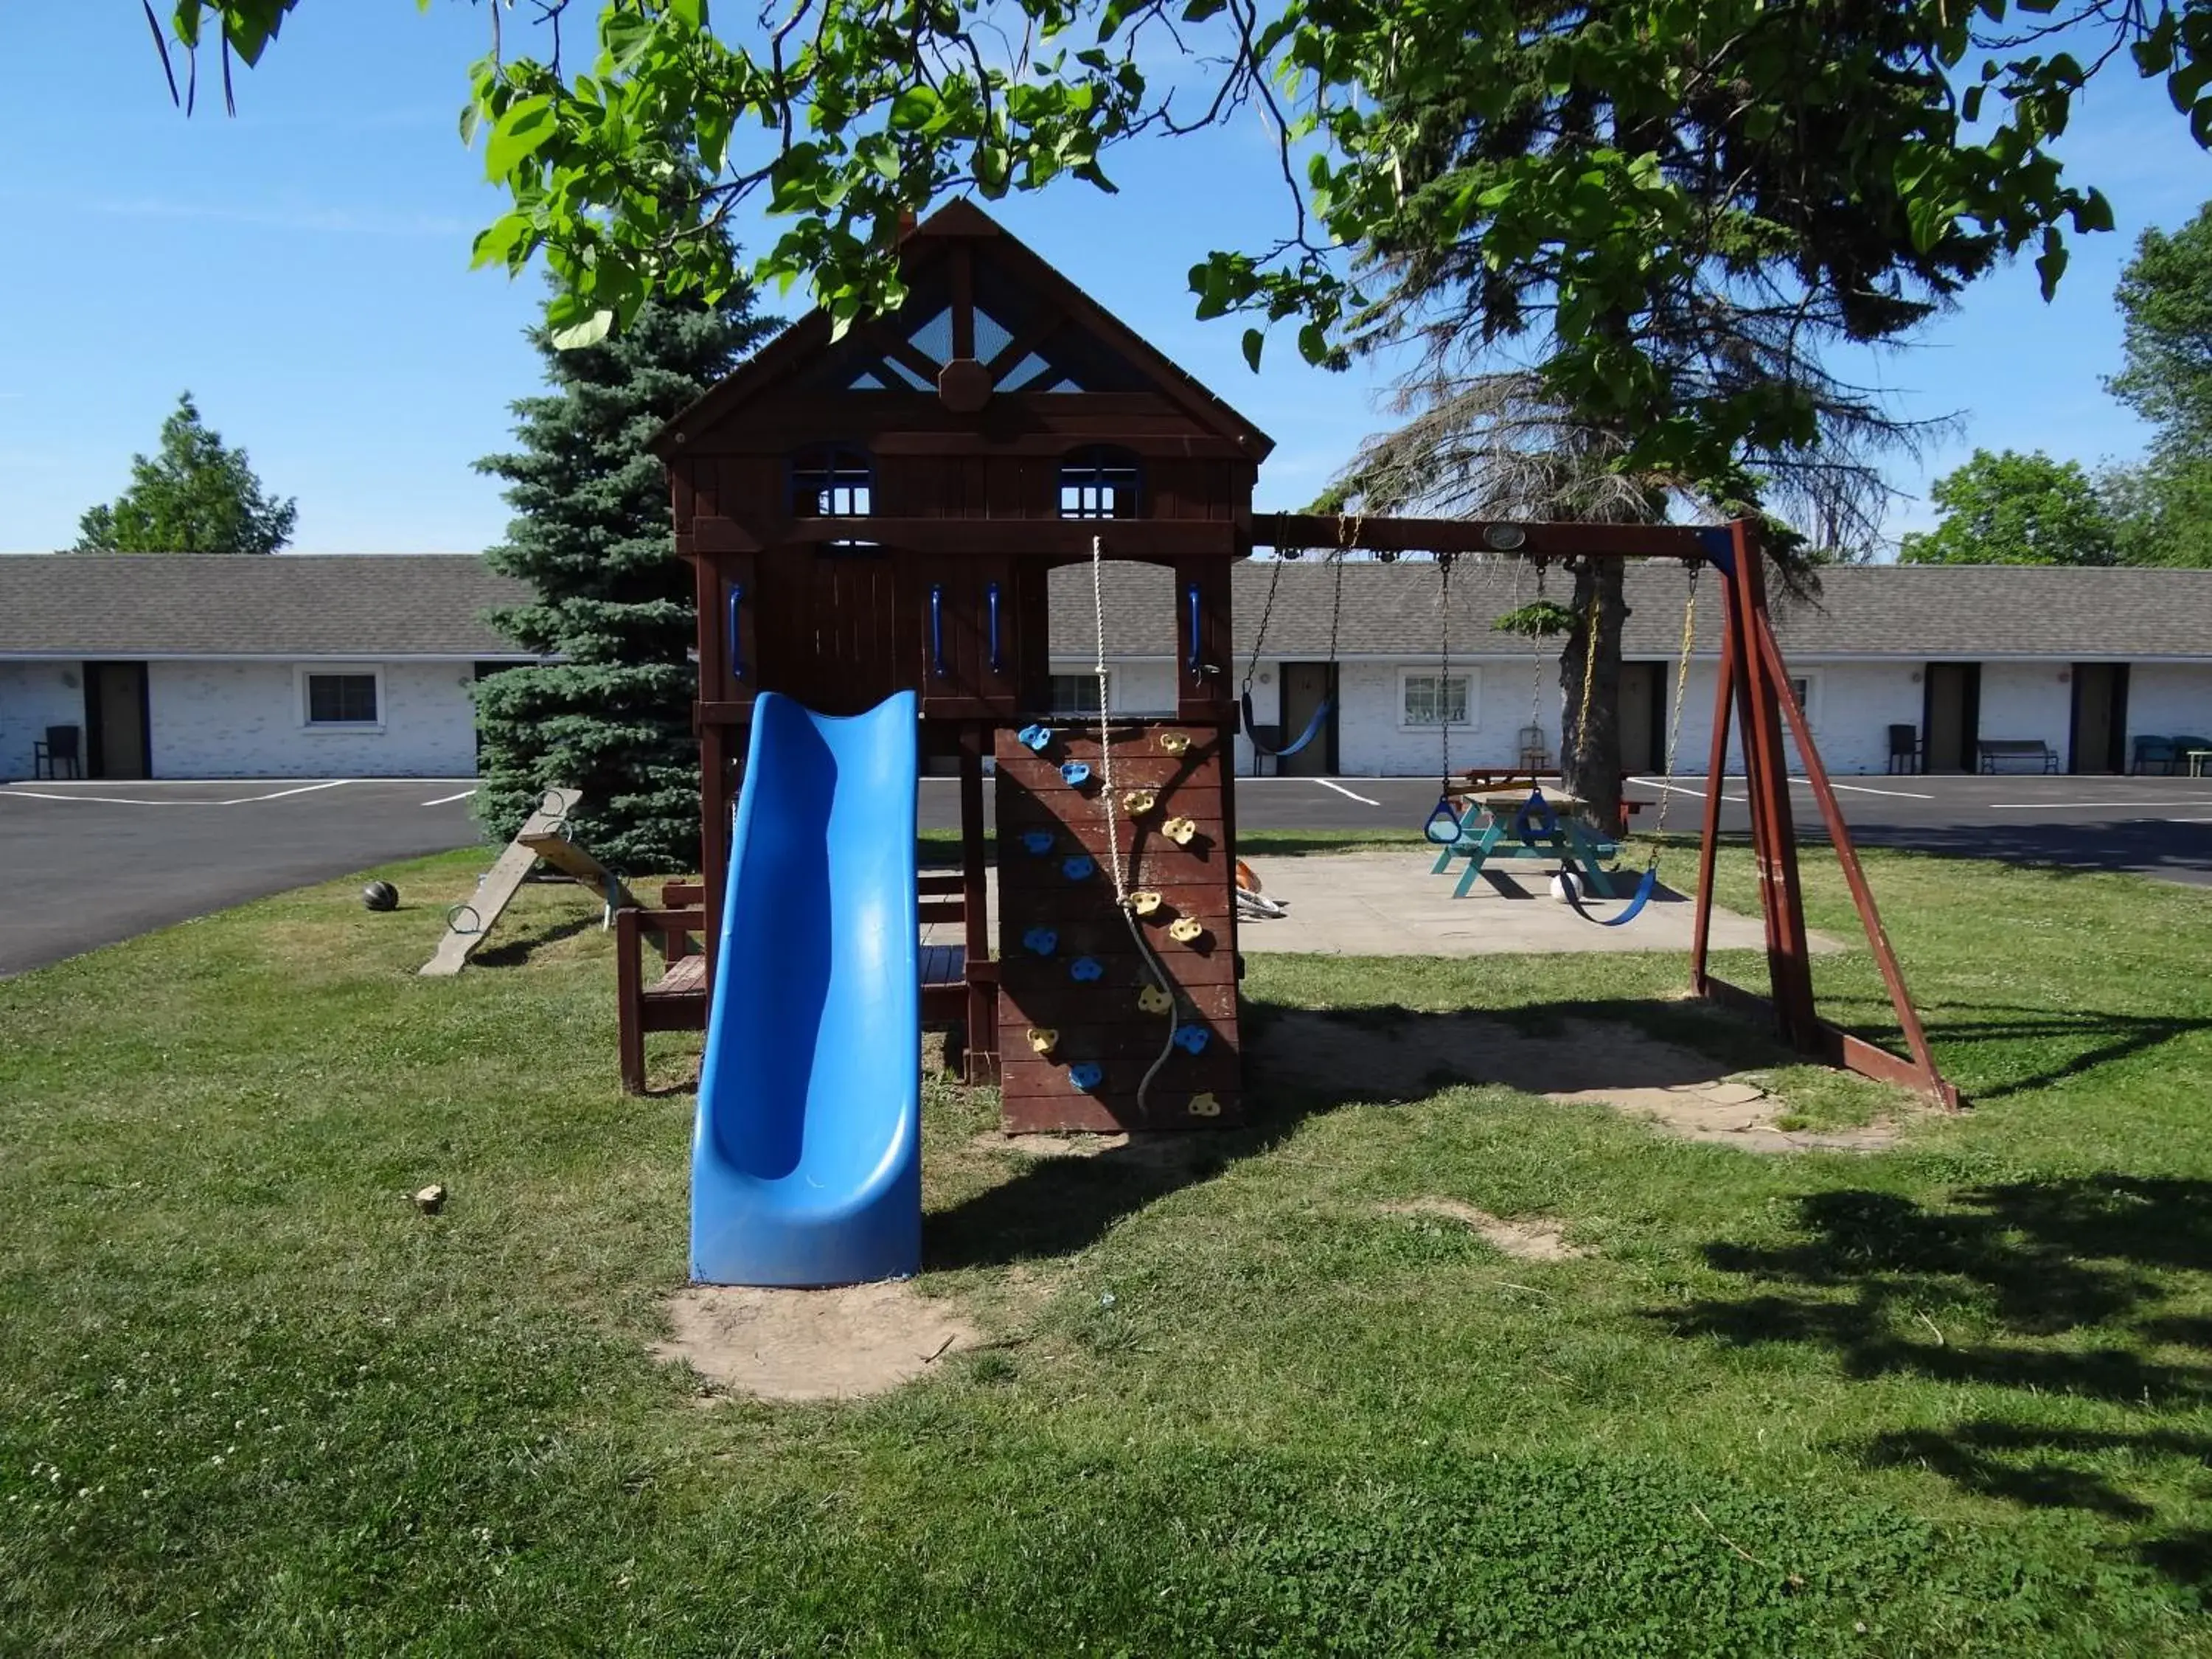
(1080,1018)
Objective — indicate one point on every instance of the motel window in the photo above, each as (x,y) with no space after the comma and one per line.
(1432,699)
(348,699)
(1075,694)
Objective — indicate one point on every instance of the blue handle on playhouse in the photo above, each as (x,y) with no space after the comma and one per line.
(1190,599)
(806,1153)
(736,651)
(991,603)
(937,628)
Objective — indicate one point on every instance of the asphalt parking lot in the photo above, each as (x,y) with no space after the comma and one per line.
(88,864)
(2153,826)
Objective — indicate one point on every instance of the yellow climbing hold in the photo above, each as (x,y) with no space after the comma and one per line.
(1138,802)
(1205,1106)
(1043,1039)
(1179,830)
(1144,900)
(1184,931)
(1174,742)
(1154,1000)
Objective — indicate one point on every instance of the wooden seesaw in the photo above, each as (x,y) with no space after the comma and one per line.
(542,836)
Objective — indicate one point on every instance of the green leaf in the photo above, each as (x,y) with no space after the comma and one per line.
(592,329)
(2051,264)
(1254,342)
(520,132)
(914,109)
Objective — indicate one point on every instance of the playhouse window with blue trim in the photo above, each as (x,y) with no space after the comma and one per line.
(1099,484)
(831,480)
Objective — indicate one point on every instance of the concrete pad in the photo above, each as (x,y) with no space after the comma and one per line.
(1384,902)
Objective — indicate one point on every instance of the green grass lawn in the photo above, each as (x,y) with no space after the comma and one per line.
(1953,1397)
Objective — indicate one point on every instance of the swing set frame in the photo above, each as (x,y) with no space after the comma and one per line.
(1751,694)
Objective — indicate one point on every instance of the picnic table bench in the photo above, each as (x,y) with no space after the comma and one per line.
(1994,750)
(1490,828)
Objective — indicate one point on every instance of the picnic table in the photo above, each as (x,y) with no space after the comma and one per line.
(1490,828)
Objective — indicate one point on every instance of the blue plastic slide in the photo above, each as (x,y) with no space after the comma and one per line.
(807,1159)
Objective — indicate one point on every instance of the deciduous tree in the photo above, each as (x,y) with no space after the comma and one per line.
(193,495)
(2164,506)
(2011,508)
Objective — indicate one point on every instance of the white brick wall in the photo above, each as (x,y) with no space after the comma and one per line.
(224,719)
(242,719)
(34,695)
(2169,700)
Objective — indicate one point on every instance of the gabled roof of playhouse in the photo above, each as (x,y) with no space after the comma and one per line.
(1116,357)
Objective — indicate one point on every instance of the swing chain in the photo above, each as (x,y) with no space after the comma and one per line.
(1593,626)
(1259,639)
(1681,696)
(1443,664)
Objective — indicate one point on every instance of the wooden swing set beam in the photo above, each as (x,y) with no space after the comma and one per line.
(1753,686)
(1330,532)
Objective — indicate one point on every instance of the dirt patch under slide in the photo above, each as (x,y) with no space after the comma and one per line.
(1530,1241)
(1388,1056)
(812,1345)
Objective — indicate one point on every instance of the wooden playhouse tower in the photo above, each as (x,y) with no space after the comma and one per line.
(881,513)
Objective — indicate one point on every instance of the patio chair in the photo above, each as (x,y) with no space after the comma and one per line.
(1904,749)
(58,748)
(2153,755)
(2189,754)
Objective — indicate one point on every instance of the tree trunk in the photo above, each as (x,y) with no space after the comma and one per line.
(1589,747)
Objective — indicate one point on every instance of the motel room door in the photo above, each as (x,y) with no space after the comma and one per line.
(2100,718)
(1305,686)
(1643,698)
(1951,716)
(118,735)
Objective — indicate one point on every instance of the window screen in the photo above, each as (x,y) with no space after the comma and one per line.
(1435,700)
(342,700)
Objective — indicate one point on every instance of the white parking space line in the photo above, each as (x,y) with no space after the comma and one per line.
(1341,790)
(140,800)
(1666,789)
(444,799)
(2146,807)
(1864,789)
(304,789)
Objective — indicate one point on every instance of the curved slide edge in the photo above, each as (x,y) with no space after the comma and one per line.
(805,1154)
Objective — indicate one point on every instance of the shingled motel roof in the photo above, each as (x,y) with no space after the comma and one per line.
(196,605)
(431,605)
(1966,612)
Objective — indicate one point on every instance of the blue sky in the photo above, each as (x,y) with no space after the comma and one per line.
(303,270)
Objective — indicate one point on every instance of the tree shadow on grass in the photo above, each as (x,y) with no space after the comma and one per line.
(2085,1040)
(525,941)
(2051,1287)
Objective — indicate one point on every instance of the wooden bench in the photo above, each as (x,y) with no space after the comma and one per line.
(676,1000)
(1994,750)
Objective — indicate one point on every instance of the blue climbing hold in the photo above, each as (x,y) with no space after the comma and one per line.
(1042,940)
(1087,1077)
(1086,969)
(1078,868)
(1191,1039)
(1075,774)
(1036,842)
(1034,738)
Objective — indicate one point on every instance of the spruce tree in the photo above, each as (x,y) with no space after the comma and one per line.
(593,536)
